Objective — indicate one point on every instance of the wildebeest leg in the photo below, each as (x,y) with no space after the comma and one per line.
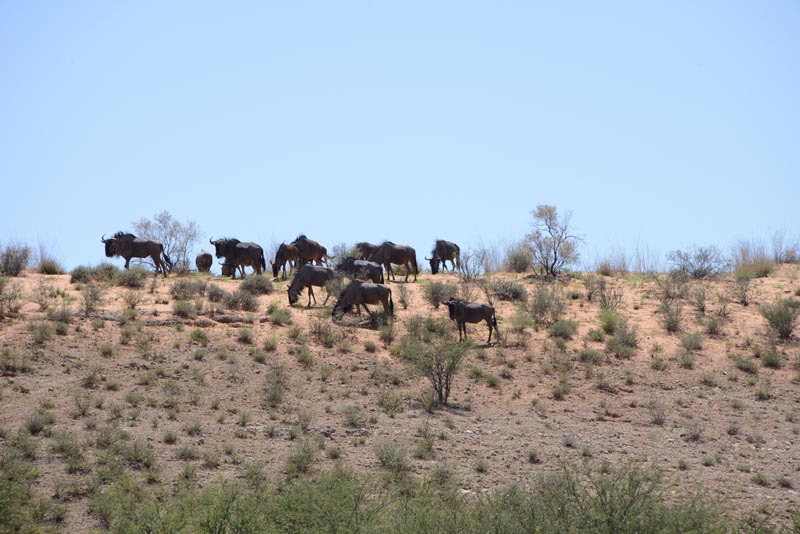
(311,294)
(327,296)
(127,263)
(365,308)
(489,324)
(388,267)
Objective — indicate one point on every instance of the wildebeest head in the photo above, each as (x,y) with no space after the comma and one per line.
(116,245)
(434,261)
(224,247)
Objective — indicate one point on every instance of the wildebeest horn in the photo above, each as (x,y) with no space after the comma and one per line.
(427,258)
(103,239)
(210,240)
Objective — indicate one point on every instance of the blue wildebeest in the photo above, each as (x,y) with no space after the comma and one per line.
(463,312)
(129,246)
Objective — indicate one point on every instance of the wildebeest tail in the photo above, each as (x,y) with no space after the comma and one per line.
(263,262)
(166,258)
(391,305)
(494,320)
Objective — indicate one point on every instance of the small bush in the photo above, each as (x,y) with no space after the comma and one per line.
(545,304)
(596,335)
(245,336)
(240,300)
(508,290)
(591,356)
(518,258)
(781,317)
(49,266)
(184,309)
(13,259)
(623,343)
(134,278)
(744,364)
(437,292)
(714,326)
(257,285)
(699,262)
(92,296)
(392,457)
(199,336)
(187,289)
(608,321)
(692,342)
(301,458)
(81,275)
(670,311)
(563,329)
(771,359)
(214,293)
(280,316)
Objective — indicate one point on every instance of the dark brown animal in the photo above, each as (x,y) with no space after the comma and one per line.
(359,293)
(285,254)
(365,270)
(309,276)
(309,250)
(389,253)
(203,261)
(240,254)
(365,250)
(445,251)
(129,246)
(463,312)
(229,269)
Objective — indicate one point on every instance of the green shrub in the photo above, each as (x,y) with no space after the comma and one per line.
(608,321)
(591,356)
(518,258)
(280,316)
(563,329)
(240,300)
(301,458)
(245,336)
(214,293)
(135,277)
(257,285)
(81,275)
(437,292)
(699,262)
(744,364)
(508,290)
(692,342)
(186,289)
(771,359)
(13,259)
(49,266)
(392,457)
(596,335)
(545,304)
(184,309)
(624,342)
(670,311)
(199,336)
(781,317)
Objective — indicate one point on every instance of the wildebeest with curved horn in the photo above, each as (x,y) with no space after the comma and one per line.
(203,261)
(365,250)
(442,252)
(463,312)
(309,250)
(359,293)
(389,253)
(309,276)
(129,246)
(240,254)
(366,270)
(286,253)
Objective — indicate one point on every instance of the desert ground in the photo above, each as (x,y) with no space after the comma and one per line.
(207,391)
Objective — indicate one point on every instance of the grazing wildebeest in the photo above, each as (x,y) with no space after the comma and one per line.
(365,250)
(129,246)
(229,269)
(309,250)
(308,276)
(203,262)
(366,270)
(286,253)
(389,253)
(442,252)
(240,254)
(359,293)
(463,312)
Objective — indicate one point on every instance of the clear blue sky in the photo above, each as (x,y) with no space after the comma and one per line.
(659,123)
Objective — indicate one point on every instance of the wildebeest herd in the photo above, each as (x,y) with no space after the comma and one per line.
(309,262)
